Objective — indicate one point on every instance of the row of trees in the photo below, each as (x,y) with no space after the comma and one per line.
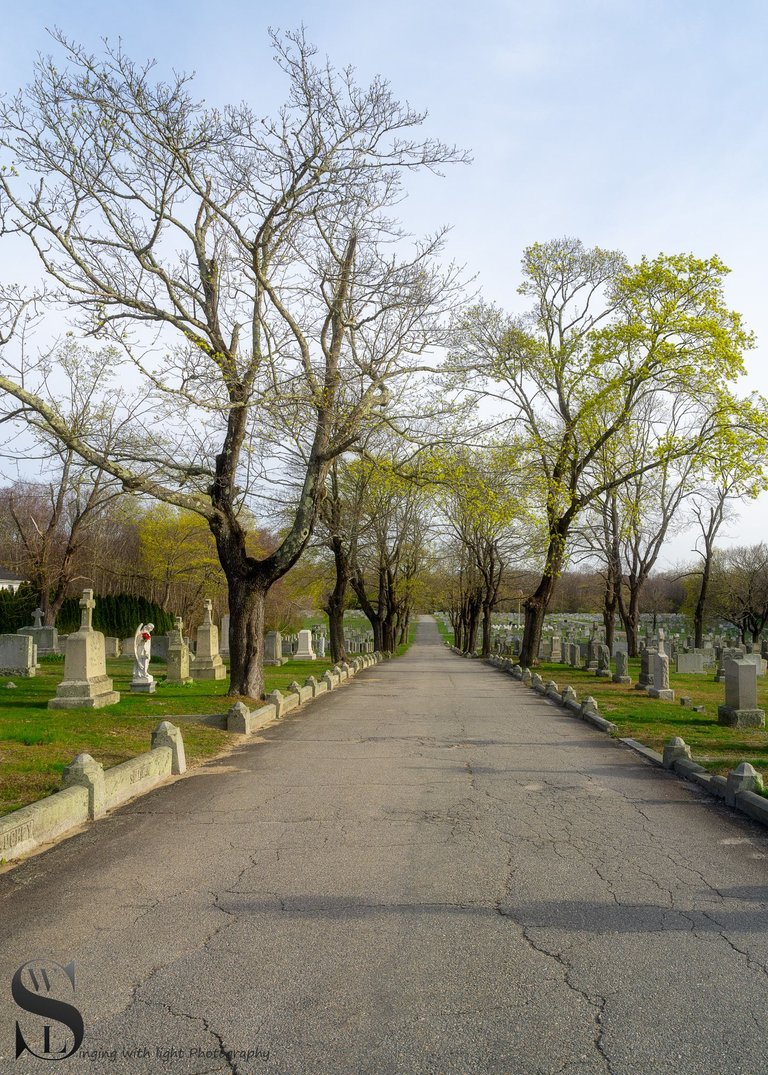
(263,331)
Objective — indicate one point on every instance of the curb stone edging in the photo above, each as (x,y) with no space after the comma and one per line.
(90,791)
(680,764)
(246,721)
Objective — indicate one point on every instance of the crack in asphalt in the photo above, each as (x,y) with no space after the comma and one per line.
(225,1053)
(598,1003)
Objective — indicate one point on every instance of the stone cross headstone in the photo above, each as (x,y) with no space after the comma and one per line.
(87,605)
(208,663)
(45,638)
(178,656)
(85,684)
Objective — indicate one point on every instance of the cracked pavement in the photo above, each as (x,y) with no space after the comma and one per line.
(433,871)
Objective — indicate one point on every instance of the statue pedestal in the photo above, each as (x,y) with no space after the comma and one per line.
(143,686)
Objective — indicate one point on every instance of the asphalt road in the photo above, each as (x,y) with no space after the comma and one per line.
(431,871)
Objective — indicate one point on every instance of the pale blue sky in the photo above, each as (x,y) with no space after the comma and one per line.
(634,124)
(629,123)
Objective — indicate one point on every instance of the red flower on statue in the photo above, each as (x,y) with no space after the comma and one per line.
(145,636)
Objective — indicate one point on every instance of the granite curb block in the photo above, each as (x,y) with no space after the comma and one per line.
(676,758)
(244,721)
(586,710)
(89,792)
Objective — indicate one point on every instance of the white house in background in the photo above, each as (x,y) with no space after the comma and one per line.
(9,580)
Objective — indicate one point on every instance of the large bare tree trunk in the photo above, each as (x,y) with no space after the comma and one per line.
(535,610)
(701,601)
(610,601)
(630,617)
(336,603)
(373,615)
(247,600)
(485,646)
(537,604)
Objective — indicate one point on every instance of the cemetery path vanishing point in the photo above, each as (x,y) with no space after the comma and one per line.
(432,871)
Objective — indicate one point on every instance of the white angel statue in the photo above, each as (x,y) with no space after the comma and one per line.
(142,649)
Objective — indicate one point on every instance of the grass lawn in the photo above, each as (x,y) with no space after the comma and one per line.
(653,722)
(404,646)
(36,742)
(445,632)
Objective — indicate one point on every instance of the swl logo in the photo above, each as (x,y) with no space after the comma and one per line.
(54,1029)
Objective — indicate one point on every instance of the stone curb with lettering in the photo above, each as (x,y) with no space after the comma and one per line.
(89,791)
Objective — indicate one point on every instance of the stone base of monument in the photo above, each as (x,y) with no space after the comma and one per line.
(277,661)
(643,684)
(624,680)
(662,693)
(84,694)
(740,718)
(603,672)
(208,668)
(142,687)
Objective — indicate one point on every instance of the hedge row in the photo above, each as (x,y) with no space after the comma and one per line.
(116,614)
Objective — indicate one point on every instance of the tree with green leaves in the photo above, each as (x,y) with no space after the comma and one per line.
(600,339)
(479,492)
(735,470)
(394,525)
(627,526)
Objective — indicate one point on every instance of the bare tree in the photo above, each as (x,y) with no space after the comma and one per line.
(392,549)
(247,273)
(50,522)
(735,470)
(342,518)
(739,584)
